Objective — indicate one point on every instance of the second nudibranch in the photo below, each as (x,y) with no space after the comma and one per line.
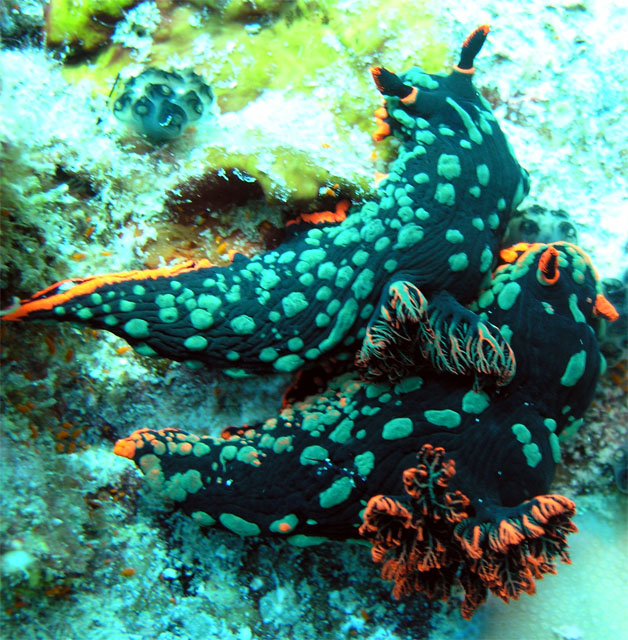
(472,506)
(435,225)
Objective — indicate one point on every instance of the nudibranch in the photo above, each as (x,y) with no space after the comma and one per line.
(467,467)
(160,104)
(435,225)
(539,224)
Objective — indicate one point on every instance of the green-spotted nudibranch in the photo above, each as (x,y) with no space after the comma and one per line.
(435,225)
(161,104)
(476,508)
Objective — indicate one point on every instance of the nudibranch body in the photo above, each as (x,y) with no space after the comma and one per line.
(477,509)
(435,225)
(160,104)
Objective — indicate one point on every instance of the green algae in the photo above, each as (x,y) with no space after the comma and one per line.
(305,50)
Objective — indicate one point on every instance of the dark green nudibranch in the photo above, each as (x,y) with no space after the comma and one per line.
(435,225)
(474,462)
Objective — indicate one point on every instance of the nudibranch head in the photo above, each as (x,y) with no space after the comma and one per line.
(161,104)
(416,94)
(561,305)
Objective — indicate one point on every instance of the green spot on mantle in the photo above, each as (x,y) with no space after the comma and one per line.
(508,295)
(574,369)
(201,319)
(532,453)
(314,454)
(243,325)
(295,344)
(345,318)
(408,384)
(445,194)
(203,519)
(397,428)
(578,316)
(555,446)
(342,433)
(238,525)
(338,492)
(285,524)
(268,354)
(475,402)
(443,417)
(409,235)
(195,343)
(458,261)
(127,306)
(364,462)
(454,236)
(294,303)
(483,174)
(288,363)
(137,328)
(164,300)
(168,315)
(521,432)
(448,166)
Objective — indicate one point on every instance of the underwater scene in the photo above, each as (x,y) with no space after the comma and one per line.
(314,320)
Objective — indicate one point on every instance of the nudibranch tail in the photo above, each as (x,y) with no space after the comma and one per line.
(51,301)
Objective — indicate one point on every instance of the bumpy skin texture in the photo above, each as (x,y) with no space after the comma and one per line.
(436,224)
(310,471)
(161,104)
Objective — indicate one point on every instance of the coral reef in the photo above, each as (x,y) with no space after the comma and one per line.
(21,23)
(85,24)
(231,44)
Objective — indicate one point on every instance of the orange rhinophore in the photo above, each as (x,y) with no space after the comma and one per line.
(548,266)
(604,309)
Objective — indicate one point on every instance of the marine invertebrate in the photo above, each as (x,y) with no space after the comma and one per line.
(479,510)
(540,224)
(313,296)
(160,104)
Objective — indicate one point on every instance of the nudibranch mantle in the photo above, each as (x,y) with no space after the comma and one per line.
(476,509)
(434,225)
